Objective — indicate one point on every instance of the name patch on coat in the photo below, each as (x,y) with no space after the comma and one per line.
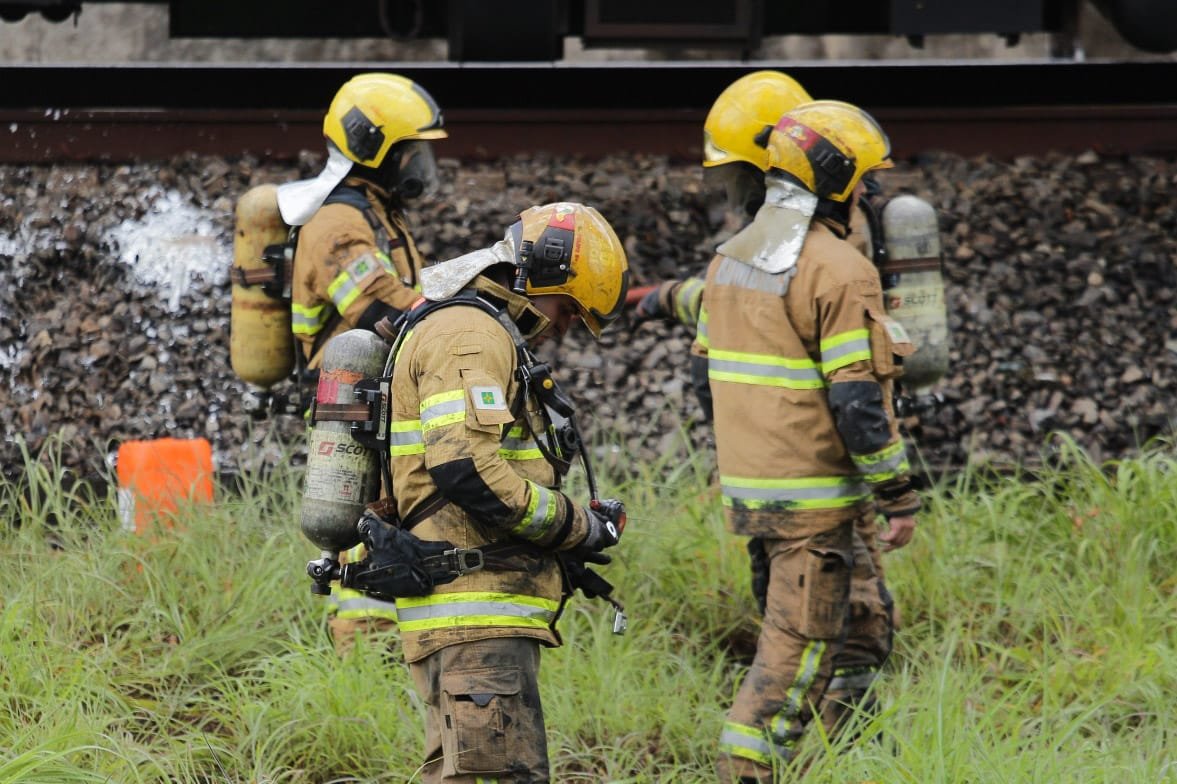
(489,398)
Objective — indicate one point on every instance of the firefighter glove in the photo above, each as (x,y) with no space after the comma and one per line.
(650,305)
(606,522)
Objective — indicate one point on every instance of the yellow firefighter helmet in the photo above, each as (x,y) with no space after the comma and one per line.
(373,111)
(573,251)
(746,110)
(828,146)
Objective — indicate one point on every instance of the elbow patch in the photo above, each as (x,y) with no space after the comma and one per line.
(460,482)
(859,414)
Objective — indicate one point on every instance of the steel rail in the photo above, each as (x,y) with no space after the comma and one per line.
(157,110)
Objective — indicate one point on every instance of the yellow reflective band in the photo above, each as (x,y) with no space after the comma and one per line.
(516,446)
(835,492)
(763,369)
(888,463)
(844,349)
(405,437)
(475,608)
(701,329)
(687,300)
(386,262)
(354,605)
(306,320)
(521,454)
(740,740)
(541,512)
(445,408)
(786,725)
(343,291)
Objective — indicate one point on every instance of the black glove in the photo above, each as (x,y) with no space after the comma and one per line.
(650,306)
(606,522)
(581,577)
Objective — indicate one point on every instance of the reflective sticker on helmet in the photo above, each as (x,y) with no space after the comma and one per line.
(564,217)
(804,136)
(489,398)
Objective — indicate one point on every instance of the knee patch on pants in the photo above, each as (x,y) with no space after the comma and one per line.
(479,732)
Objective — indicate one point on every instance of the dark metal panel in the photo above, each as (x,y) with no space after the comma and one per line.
(528,30)
(679,21)
(917,17)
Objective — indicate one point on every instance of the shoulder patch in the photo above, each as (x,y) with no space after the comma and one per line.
(488,398)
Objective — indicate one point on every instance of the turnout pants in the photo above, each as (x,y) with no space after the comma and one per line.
(484,722)
(827,628)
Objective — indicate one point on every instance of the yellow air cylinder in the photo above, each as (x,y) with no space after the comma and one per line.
(261,345)
(914,292)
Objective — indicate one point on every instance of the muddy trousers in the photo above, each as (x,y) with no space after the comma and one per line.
(826,632)
(484,721)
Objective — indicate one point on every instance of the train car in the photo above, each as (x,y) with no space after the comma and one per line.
(534,30)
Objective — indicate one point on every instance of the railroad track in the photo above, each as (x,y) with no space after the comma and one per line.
(157,110)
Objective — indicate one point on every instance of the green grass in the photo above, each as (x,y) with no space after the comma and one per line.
(1039,642)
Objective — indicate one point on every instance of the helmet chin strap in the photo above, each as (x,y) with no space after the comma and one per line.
(836,211)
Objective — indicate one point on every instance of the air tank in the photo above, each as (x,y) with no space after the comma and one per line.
(915,287)
(261,344)
(342,475)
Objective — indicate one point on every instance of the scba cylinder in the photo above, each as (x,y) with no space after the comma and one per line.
(261,344)
(342,475)
(914,283)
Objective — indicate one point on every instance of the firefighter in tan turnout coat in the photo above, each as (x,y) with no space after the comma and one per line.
(355,263)
(801,358)
(466,458)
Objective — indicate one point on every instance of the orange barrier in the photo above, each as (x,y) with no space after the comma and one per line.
(154,476)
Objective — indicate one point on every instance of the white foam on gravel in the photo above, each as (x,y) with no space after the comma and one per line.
(174,243)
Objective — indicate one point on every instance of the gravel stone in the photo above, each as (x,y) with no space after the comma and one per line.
(1060,275)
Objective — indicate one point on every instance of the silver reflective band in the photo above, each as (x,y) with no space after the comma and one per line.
(830,356)
(756,369)
(441,409)
(861,681)
(758,748)
(735,273)
(460,609)
(850,489)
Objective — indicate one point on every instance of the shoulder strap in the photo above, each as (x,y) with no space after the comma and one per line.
(349,195)
(355,197)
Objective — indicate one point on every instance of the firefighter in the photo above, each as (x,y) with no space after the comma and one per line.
(735,159)
(355,263)
(470,466)
(793,322)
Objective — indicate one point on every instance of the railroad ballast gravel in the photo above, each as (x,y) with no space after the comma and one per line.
(1060,273)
